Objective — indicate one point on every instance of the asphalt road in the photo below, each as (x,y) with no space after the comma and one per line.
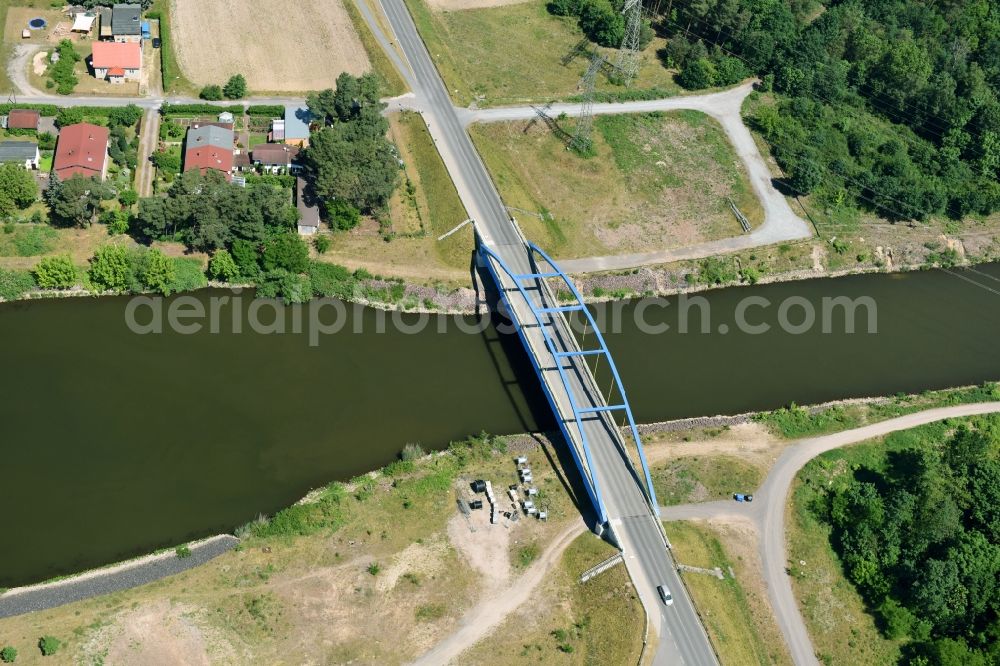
(682,638)
(767,512)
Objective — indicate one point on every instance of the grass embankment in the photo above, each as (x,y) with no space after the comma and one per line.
(702,479)
(655,181)
(740,625)
(390,79)
(174,81)
(346,562)
(794,421)
(513,54)
(425,206)
(566,622)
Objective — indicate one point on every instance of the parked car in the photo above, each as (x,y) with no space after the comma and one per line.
(740,497)
(156,42)
(665,596)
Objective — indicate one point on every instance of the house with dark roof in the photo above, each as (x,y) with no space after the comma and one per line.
(117,61)
(308,208)
(21,119)
(209,148)
(82,150)
(24,153)
(104,23)
(125,23)
(275,157)
(297,119)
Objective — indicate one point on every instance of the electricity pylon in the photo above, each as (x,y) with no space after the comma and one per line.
(627,62)
(581,139)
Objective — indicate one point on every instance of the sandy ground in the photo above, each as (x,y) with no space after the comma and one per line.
(159,633)
(456,5)
(749,441)
(276,45)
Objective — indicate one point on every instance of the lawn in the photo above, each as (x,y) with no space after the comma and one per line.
(701,479)
(13,19)
(566,622)
(425,206)
(656,181)
(740,626)
(513,54)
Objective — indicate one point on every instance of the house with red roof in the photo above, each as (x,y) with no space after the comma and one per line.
(22,119)
(117,61)
(209,147)
(82,150)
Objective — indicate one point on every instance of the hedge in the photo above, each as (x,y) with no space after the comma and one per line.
(193,109)
(266,110)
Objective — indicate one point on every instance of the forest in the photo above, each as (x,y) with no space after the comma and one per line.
(917,530)
(889,105)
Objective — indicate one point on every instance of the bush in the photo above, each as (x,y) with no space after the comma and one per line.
(182,552)
(156,272)
(188,275)
(223,267)
(14,284)
(49,645)
(331,280)
(117,221)
(46,141)
(235,88)
(61,72)
(212,93)
(8,655)
(128,198)
(697,73)
(111,269)
(271,110)
(374,568)
(342,214)
(287,252)
(322,243)
(56,273)
(411,452)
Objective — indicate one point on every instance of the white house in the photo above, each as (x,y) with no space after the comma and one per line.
(117,61)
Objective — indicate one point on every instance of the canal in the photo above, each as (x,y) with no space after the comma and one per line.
(115,442)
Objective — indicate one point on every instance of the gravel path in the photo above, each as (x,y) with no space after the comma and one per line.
(116,578)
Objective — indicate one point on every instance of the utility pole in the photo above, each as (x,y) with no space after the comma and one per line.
(627,62)
(581,139)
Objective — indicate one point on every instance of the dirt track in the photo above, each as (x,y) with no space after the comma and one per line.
(278,46)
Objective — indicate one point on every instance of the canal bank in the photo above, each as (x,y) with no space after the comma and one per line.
(165,438)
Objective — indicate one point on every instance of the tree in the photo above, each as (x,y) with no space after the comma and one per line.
(75,201)
(212,93)
(341,214)
(697,73)
(246,254)
(167,161)
(223,267)
(124,116)
(354,162)
(155,271)
(69,115)
(286,251)
(111,269)
(56,272)
(117,221)
(18,188)
(235,88)
(322,243)
(128,198)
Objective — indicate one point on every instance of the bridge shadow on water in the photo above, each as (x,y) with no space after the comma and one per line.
(524,391)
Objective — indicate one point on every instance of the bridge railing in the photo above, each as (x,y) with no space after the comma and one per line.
(603,351)
(589,479)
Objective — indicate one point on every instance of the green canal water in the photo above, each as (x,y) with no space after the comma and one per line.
(114,443)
